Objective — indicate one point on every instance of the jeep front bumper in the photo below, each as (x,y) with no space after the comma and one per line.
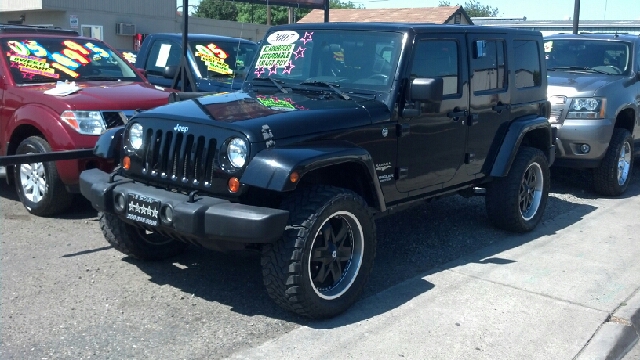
(572,134)
(205,220)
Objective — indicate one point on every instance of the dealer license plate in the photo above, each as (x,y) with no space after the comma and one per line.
(143,209)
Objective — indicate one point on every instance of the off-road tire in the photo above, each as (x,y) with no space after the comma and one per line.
(503,194)
(133,241)
(286,263)
(605,177)
(56,198)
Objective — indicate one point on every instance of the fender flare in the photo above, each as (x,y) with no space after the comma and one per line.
(513,138)
(270,168)
(109,144)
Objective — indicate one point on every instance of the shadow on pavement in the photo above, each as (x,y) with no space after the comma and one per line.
(411,243)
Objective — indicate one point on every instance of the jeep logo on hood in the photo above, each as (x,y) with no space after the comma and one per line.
(179,128)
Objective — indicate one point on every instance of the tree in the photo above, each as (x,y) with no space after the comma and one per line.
(217,9)
(474,8)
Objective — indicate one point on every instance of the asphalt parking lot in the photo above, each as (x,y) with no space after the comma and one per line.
(66,294)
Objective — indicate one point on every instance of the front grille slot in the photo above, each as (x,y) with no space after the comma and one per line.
(112,119)
(178,157)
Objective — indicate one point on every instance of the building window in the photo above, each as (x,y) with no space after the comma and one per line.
(91,31)
(437,58)
(527,63)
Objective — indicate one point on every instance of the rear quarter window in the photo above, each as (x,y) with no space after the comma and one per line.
(527,64)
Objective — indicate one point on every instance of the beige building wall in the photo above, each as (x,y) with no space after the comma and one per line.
(98,18)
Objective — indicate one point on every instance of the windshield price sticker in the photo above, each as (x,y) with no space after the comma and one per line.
(283,38)
(31,58)
(275,54)
(214,58)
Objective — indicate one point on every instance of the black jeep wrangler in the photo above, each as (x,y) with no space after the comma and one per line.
(337,124)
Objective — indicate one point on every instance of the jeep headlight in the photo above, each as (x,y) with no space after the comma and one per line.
(237,152)
(85,122)
(136,136)
(587,108)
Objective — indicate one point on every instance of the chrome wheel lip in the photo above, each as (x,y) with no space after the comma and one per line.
(33,181)
(624,163)
(531,188)
(350,273)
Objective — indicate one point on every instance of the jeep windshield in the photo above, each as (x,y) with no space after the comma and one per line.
(40,60)
(217,60)
(328,60)
(595,56)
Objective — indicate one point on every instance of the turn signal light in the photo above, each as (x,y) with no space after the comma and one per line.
(126,163)
(234,184)
(294,177)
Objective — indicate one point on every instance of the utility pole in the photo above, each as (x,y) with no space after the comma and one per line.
(576,16)
(268,14)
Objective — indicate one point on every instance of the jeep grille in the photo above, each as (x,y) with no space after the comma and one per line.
(186,159)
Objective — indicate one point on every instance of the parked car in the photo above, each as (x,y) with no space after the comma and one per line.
(96,90)
(217,63)
(337,124)
(594,88)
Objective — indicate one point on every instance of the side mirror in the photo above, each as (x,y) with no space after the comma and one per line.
(170,71)
(426,89)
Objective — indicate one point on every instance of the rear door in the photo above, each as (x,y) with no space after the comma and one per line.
(431,147)
(490,102)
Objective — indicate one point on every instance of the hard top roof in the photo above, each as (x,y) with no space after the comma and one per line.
(403,27)
(207,37)
(28,29)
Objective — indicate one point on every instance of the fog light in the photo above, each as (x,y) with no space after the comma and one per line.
(120,203)
(166,214)
(585,148)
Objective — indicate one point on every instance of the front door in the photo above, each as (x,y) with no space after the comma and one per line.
(163,52)
(431,147)
(490,102)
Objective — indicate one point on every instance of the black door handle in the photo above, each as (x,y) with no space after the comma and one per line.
(456,114)
(498,108)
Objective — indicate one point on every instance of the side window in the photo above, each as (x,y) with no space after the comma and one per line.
(437,58)
(527,63)
(488,65)
(163,53)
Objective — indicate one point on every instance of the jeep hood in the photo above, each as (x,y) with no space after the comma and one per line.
(284,114)
(577,83)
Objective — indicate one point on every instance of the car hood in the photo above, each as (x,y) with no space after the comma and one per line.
(105,95)
(577,83)
(280,116)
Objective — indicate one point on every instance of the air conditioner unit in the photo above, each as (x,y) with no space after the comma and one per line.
(125,29)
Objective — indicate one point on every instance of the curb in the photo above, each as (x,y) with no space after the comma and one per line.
(617,335)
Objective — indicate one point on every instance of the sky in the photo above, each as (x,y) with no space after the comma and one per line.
(532,10)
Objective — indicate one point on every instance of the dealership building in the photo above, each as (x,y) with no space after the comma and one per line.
(120,23)
(548,27)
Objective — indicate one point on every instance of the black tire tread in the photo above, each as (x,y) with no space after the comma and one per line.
(124,239)
(502,193)
(60,199)
(282,261)
(604,176)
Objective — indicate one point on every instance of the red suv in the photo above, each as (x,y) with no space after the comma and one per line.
(60,91)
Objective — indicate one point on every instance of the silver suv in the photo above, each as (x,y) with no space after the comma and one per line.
(594,90)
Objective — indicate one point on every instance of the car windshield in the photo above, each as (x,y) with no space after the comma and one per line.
(222,59)
(599,56)
(344,59)
(59,59)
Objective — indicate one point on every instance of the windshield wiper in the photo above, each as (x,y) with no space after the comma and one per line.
(275,82)
(329,85)
(586,68)
(99,78)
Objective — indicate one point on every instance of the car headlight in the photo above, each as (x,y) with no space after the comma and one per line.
(237,152)
(136,133)
(85,122)
(587,108)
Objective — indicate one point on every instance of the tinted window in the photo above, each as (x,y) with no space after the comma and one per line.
(527,63)
(437,58)
(222,59)
(489,65)
(163,53)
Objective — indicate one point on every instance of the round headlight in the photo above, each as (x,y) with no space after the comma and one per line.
(135,136)
(237,152)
